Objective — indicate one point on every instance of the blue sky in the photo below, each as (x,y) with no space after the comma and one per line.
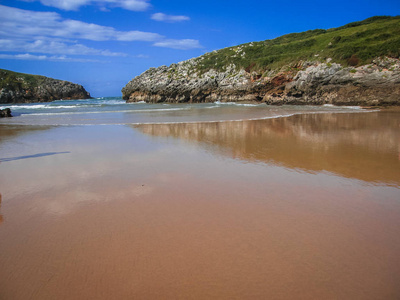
(102,44)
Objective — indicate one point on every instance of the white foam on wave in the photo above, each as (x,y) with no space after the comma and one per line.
(51,106)
(111,102)
(353,107)
(108,111)
(14,107)
(237,104)
(248,104)
(341,107)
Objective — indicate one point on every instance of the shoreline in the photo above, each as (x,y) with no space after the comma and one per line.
(354,111)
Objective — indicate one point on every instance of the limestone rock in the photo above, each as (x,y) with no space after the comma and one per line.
(310,82)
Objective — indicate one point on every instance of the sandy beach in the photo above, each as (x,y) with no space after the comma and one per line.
(299,207)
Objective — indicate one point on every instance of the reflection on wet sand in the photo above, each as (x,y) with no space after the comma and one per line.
(364,146)
(11,131)
(1,216)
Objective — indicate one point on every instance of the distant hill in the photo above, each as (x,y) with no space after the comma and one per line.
(21,88)
(355,63)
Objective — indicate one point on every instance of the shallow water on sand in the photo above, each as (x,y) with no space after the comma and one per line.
(303,207)
(115,111)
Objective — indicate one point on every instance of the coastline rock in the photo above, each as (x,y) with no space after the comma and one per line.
(5,113)
(310,82)
(25,88)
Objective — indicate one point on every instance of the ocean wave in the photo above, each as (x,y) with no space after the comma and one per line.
(339,107)
(51,106)
(160,114)
(13,107)
(78,122)
(237,104)
(108,111)
(111,102)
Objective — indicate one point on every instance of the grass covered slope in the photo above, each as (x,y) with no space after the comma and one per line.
(20,88)
(15,80)
(356,64)
(354,44)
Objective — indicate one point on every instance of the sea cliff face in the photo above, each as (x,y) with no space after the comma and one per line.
(356,64)
(25,88)
(305,82)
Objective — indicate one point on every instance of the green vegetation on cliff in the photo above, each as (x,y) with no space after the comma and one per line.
(14,80)
(354,44)
(20,88)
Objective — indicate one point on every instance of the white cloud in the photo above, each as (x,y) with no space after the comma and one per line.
(49,33)
(141,56)
(52,47)
(168,18)
(16,22)
(184,44)
(62,58)
(134,5)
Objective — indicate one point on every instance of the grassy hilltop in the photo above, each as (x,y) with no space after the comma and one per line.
(14,80)
(21,88)
(353,44)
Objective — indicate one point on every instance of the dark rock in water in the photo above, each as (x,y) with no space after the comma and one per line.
(5,113)
(26,88)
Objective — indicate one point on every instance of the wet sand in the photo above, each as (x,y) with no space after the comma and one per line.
(305,207)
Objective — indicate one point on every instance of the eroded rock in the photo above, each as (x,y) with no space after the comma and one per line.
(308,82)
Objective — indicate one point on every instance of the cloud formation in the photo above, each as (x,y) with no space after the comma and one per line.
(168,18)
(184,44)
(52,47)
(62,58)
(134,5)
(49,33)
(15,22)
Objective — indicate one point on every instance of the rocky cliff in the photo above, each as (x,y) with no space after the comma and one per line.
(24,88)
(356,64)
(377,83)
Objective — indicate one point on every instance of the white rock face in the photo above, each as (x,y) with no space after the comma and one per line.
(313,83)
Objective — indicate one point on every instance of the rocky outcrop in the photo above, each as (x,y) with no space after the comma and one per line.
(310,82)
(181,83)
(5,113)
(377,83)
(24,88)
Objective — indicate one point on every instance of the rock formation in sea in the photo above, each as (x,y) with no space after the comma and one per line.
(25,88)
(5,113)
(356,64)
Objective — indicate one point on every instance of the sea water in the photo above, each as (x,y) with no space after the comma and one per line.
(115,111)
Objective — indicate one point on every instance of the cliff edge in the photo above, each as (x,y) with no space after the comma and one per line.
(25,88)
